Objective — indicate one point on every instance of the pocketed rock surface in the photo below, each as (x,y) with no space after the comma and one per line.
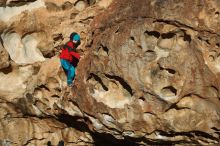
(148,75)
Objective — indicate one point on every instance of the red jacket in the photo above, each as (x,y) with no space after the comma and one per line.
(68,54)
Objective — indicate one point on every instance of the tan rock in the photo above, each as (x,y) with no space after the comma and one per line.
(149,73)
(22,51)
(4,57)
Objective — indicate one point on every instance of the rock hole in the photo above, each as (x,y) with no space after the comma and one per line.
(216,129)
(187,37)
(73,15)
(61,143)
(58,37)
(49,54)
(200,38)
(98,79)
(124,84)
(49,143)
(74,121)
(207,41)
(36,69)
(150,51)
(150,55)
(169,91)
(105,49)
(217,45)
(117,31)
(132,38)
(169,70)
(19,3)
(7,70)
(152,33)
(142,98)
(91,2)
(43,87)
(168,35)
(216,14)
(55,96)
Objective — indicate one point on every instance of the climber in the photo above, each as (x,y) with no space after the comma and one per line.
(69,58)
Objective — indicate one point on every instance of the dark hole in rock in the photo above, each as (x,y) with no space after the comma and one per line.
(152,33)
(57,37)
(132,38)
(216,129)
(49,54)
(169,91)
(67,5)
(171,71)
(7,70)
(117,31)
(187,37)
(91,2)
(55,96)
(199,38)
(124,84)
(73,15)
(217,13)
(207,41)
(49,143)
(150,51)
(150,55)
(217,45)
(57,89)
(106,49)
(204,134)
(61,143)
(36,69)
(168,35)
(19,3)
(142,98)
(98,79)
(42,87)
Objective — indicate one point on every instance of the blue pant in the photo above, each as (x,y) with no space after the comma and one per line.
(69,70)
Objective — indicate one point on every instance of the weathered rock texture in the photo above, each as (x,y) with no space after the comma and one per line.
(149,74)
(152,75)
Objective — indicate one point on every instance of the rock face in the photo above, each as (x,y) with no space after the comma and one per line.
(152,74)
(149,74)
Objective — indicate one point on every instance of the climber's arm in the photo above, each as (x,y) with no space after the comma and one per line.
(76,55)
